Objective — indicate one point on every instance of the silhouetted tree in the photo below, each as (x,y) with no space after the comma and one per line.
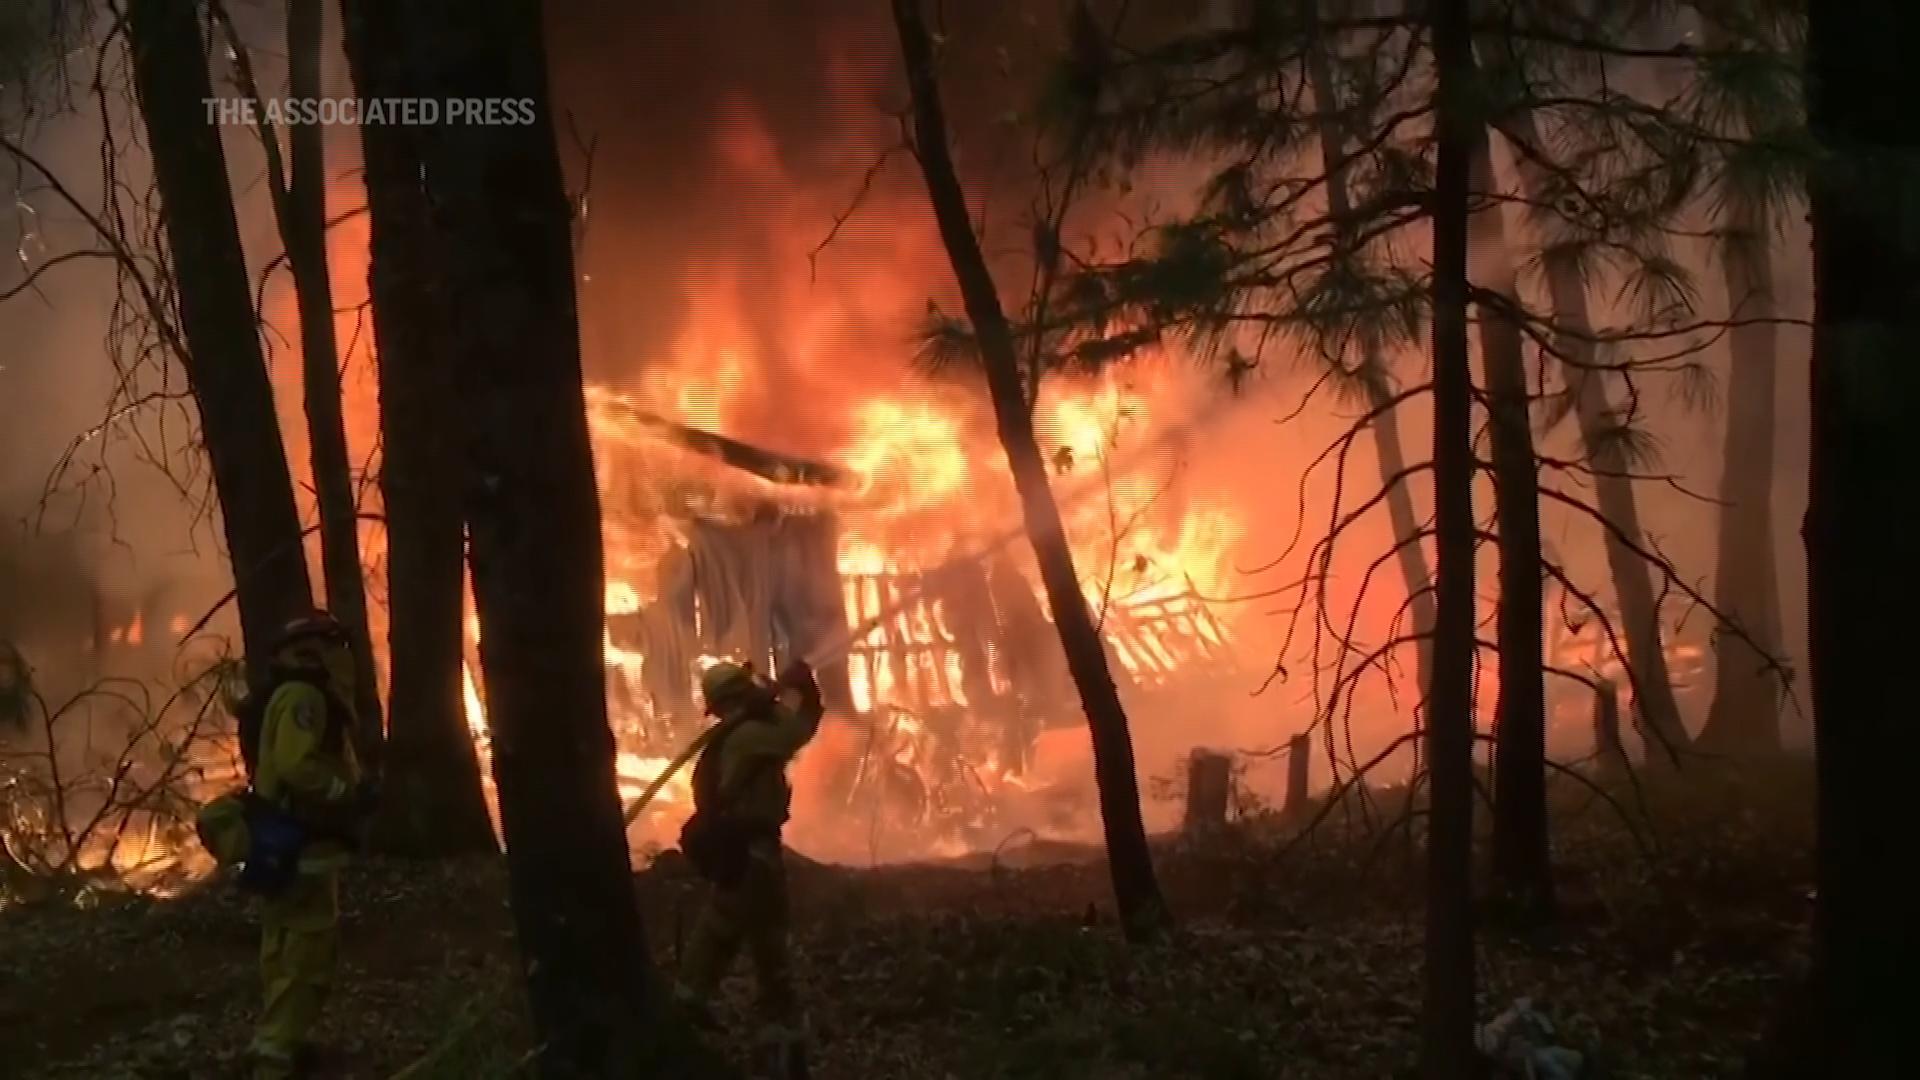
(434,801)
(1447,1020)
(1745,714)
(533,516)
(1852,1017)
(1335,154)
(302,211)
(1521,865)
(224,364)
(1136,890)
(1606,439)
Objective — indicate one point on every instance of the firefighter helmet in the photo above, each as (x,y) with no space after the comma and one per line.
(725,681)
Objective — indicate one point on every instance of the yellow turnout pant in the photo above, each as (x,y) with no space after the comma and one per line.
(753,912)
(299,944)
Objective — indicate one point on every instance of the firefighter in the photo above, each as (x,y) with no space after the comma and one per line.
(305,766)
(741,800)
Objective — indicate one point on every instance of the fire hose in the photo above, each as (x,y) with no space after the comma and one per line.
(692,751)
(838,646)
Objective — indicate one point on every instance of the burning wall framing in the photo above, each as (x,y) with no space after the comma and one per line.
(938,658)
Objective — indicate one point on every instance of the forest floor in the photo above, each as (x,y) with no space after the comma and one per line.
(1291,959)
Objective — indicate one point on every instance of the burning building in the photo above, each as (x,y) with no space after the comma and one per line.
(777,478)
(940,669)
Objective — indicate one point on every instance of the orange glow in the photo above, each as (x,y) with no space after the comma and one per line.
(908,454)
(822,373)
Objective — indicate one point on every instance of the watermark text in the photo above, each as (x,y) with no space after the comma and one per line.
(356,112)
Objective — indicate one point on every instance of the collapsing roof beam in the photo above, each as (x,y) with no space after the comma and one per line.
(766,464)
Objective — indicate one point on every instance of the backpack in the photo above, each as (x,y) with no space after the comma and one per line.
(717,843)
(275,838)
(242,830)
(251,715)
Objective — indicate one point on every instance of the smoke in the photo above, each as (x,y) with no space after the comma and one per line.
(109,531)
(755,256)
(719,152)
(718,144)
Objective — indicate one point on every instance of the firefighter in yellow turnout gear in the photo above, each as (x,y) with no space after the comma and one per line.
(741,800)
(306,767)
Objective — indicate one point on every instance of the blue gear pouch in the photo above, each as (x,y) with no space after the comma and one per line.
(275,840)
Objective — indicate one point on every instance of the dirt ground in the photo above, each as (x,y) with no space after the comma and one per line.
(1291,960)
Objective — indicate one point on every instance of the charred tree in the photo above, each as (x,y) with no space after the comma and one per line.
(303,230)
(1447,1021)
(1865,401)
(1136,890)
(435,804)
(533,517)
(1521,865)
(225,368)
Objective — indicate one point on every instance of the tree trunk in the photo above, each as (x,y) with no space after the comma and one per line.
(303,230)
(1299,769)
(1522,868)
(1607,747)
(1447,1020)
(1136,890)
(224,365)
(1209,791)
(1658,710)
(435,804)
(533,518)
(1864,401)
(1745,714)
(1386,427)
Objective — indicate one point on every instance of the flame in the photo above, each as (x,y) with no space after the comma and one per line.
(790,364)
(703,403)
(674,802)
(911,453)
(815,371)
(476,712)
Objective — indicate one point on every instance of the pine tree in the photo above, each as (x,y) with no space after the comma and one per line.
(1520,847)
(1606,440)
(1335,148)
(1136,889)
(1447,1049)
(1747,696)
(1850,1018)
